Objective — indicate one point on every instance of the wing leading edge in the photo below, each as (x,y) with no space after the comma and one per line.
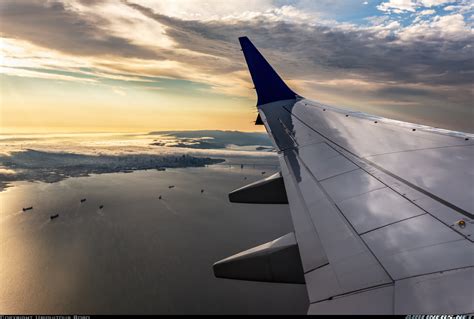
(382,210)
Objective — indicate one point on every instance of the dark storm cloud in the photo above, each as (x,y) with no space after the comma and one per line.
(425,66)
(53,25)
(302,49)
(360,52)
(91,2)
(430,70)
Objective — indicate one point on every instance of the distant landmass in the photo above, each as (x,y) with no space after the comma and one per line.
(214,139)
(53,158)
(50,167)
(190,143)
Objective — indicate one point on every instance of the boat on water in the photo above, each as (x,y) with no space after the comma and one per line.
(171,186)
(160,197)
(101,206)
(54,216)
(27,208)
(83,200)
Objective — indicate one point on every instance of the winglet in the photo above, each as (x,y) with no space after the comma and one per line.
(270,87)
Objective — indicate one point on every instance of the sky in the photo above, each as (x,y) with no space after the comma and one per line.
(147,65)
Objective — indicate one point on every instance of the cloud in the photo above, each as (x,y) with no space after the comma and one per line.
(433,3)
(462,6)
(400,6)
(450,29)
(427,12)
(432,55)
(56,26)
(433,51)
(346,48)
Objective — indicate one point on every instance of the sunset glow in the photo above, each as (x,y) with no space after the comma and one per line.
(86,65)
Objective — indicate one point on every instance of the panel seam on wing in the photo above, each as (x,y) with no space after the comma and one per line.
(343,216)
(392,223)
(434,272)
(370,163)
(418,149)
(354,292)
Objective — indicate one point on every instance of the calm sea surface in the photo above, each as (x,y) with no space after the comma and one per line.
(138,254)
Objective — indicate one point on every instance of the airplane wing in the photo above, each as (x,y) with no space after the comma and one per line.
(382,210)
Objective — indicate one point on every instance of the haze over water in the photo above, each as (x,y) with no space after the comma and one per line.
(139,254)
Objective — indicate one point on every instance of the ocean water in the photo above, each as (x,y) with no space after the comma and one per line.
(138,254)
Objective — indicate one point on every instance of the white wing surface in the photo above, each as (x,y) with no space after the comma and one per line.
(382,209)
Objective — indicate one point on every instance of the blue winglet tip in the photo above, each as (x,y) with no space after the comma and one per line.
(268,84)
